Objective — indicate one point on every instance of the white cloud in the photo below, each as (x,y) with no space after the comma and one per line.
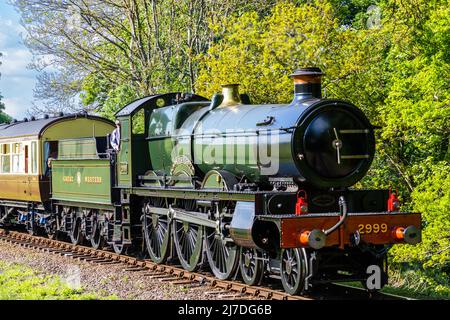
(10,25)
(16,80)
(3,38)
(15,62)
(6,22)
(10,33)
(16,107)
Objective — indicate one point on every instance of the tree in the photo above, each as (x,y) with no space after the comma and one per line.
(396,71)
(260,53)
(393,62)
(416,116)
(99,47)
(3,116)
(2,106)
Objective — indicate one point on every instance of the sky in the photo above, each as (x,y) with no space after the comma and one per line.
(16,80)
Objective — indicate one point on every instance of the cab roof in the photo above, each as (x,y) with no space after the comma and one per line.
(158,101)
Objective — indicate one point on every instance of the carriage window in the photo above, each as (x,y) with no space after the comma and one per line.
(18,158)
(6,158)
(34,160)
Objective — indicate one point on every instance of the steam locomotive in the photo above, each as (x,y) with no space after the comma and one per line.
(251,191)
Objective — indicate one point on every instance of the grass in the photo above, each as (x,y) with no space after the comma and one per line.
(418,284)
(413,284)
(19,282)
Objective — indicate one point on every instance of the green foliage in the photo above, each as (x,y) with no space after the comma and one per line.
(108,98)
(392,61)
(396,71)
(138,122)
(352,12)
(3,116)
(147,46)
(421,284)
(260,53)
(415,117)
(432,198)
(18,282)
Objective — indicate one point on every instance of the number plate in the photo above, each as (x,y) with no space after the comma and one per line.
(372,228)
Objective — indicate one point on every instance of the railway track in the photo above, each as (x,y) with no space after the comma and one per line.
(179,276)
(170,274)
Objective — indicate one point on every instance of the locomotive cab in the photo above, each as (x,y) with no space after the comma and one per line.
(146,128)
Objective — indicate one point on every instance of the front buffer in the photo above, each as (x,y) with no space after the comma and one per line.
(307,249)
(356,250)
(378,228)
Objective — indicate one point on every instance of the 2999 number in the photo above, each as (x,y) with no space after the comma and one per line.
(372,228)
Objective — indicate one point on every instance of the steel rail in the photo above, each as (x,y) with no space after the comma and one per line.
(180,276)
(135,264)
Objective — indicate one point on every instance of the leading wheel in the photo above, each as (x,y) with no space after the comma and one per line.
(251,266)
(188,239)
(294,269)
(156,230)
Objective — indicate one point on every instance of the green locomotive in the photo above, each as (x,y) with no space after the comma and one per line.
(252,190)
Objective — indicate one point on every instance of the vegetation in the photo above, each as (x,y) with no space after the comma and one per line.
(18,282)
(113,51)
(389,57)
(397,72)
(3,116)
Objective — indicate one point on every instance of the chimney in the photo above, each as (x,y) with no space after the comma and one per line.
(231,96)
(307,83)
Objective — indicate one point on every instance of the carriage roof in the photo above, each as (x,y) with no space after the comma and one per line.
(38,126)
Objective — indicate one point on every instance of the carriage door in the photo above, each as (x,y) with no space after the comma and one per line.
(26,159)
(124,156)
(28,177)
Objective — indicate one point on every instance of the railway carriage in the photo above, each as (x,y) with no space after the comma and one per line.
(252,191)
(26,146)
